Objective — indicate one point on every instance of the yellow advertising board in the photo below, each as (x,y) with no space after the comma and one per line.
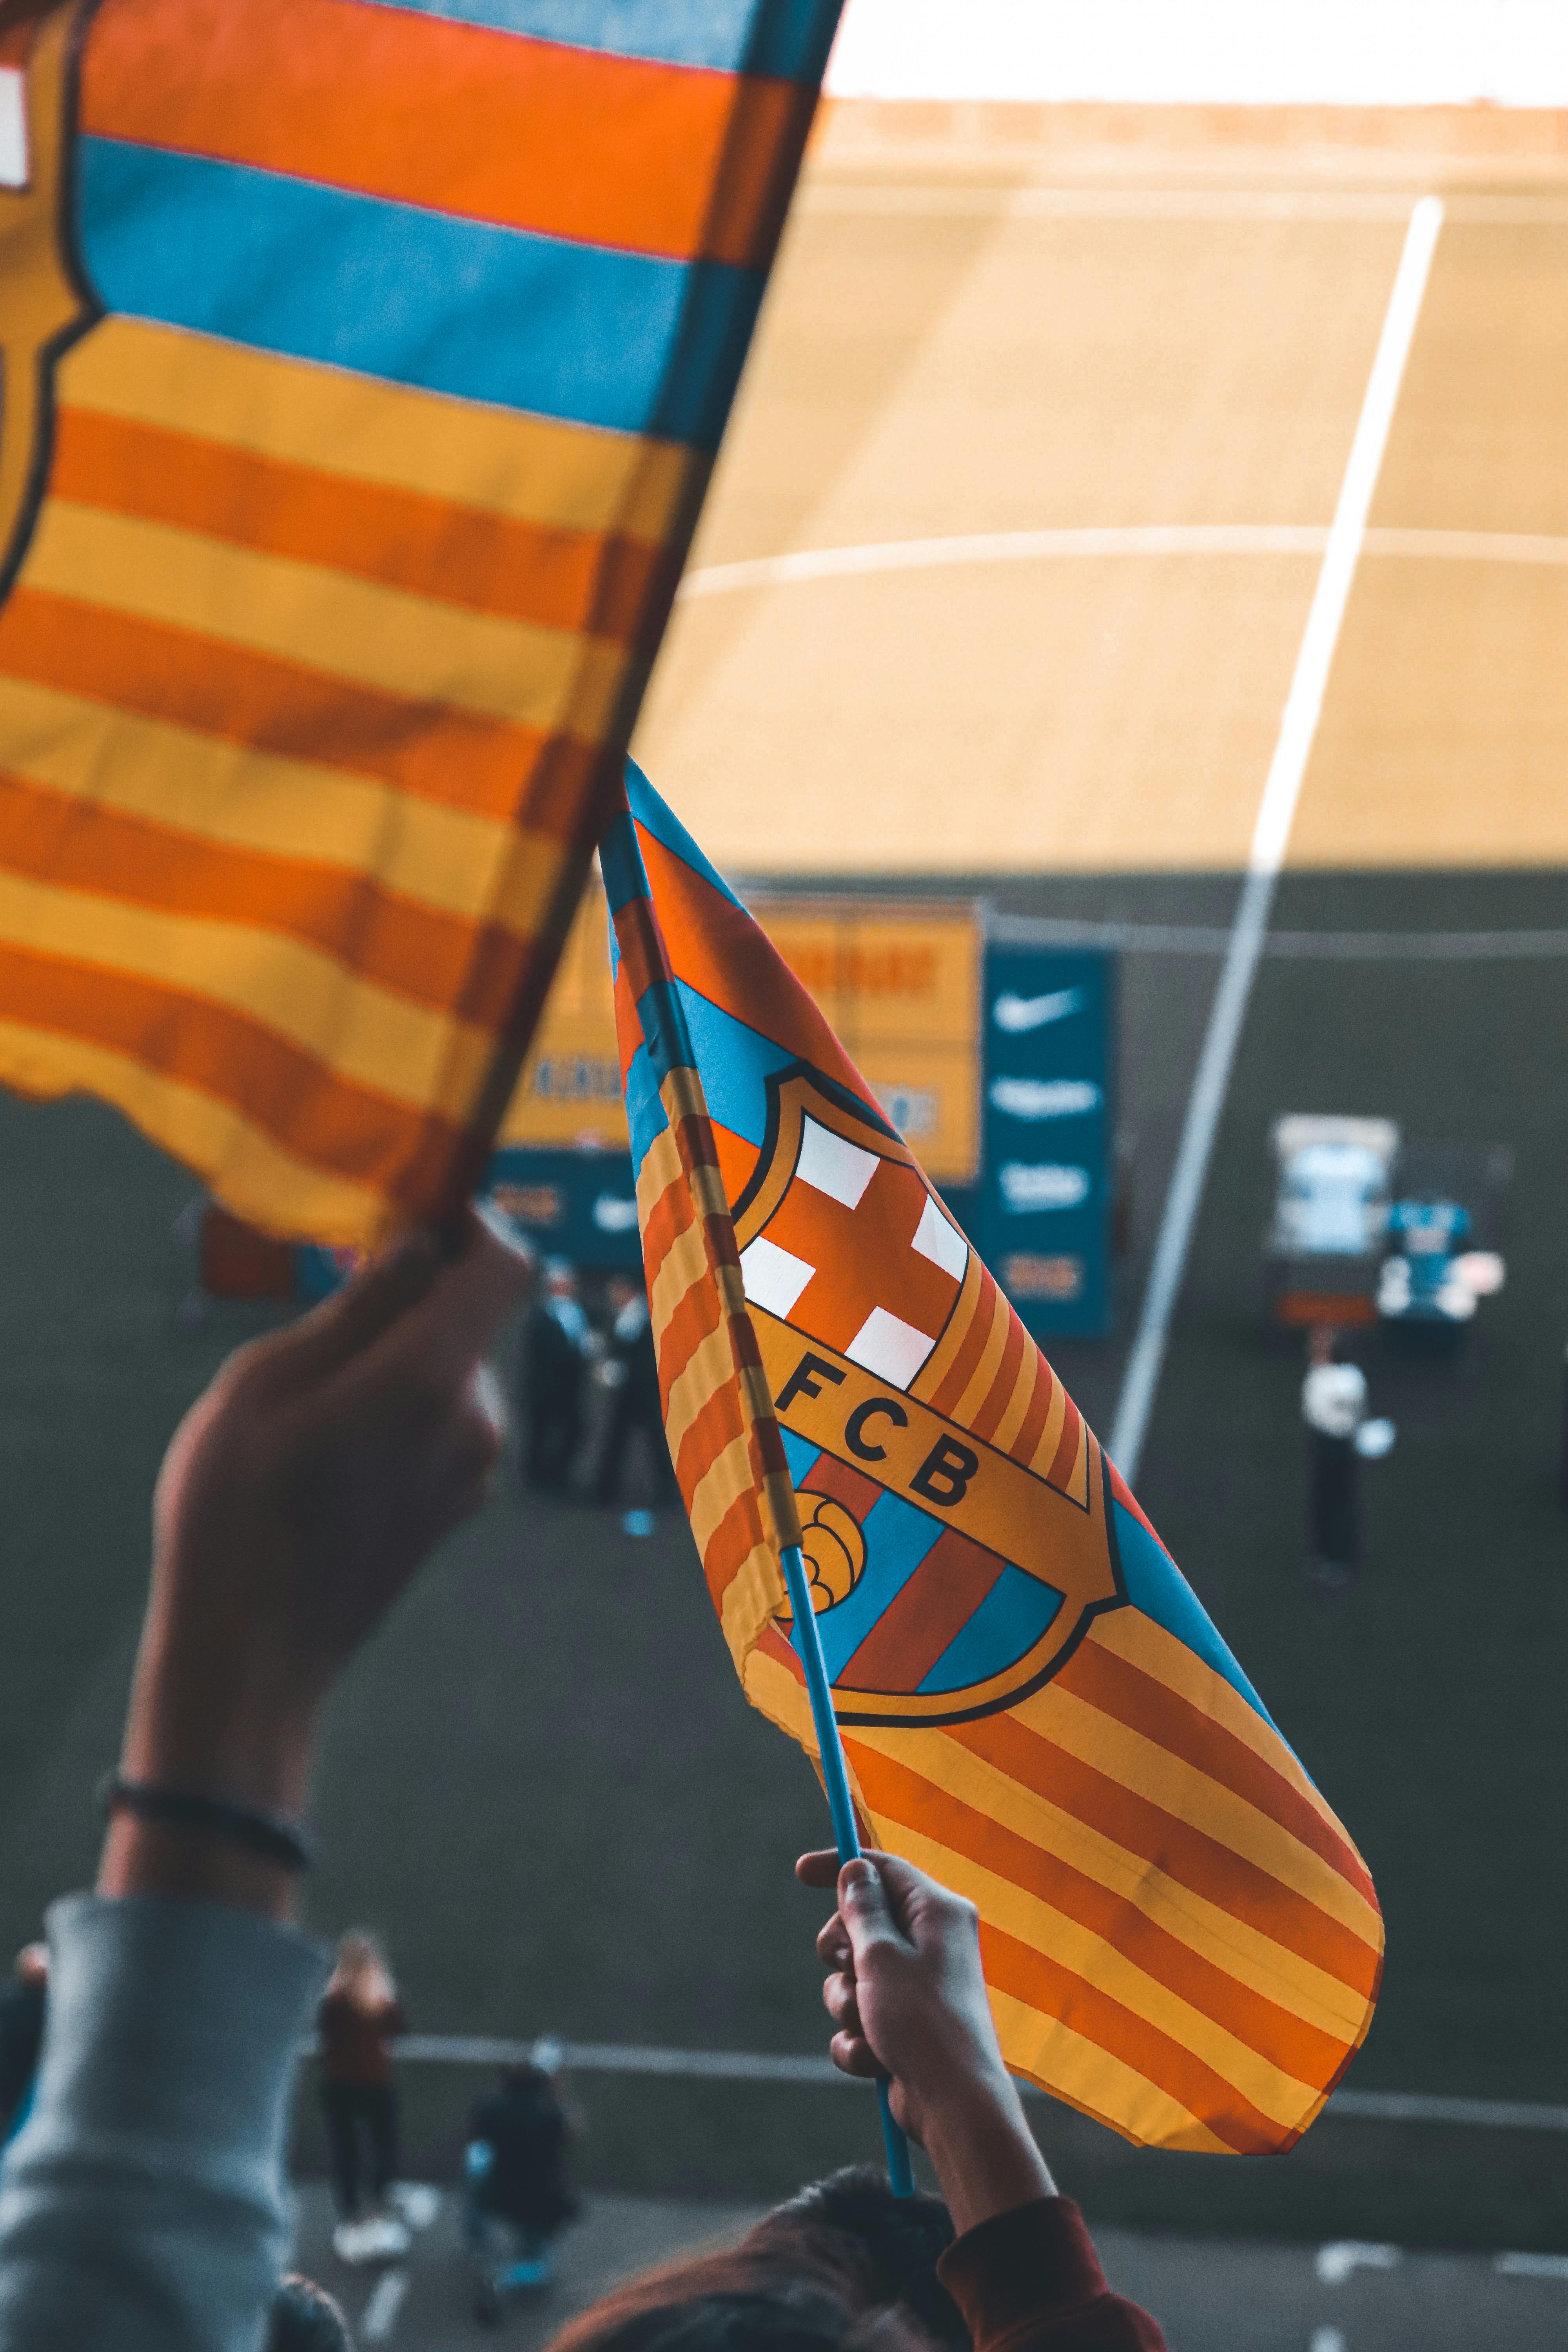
(900,980)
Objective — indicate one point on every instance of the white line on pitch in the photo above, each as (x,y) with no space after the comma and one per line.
(1276,813)
(381,2312)
(1111,539)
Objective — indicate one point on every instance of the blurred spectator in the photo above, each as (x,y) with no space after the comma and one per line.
(305,2318)
(518,2190)
(22,2006)
(1333,1406)
(558,1345)
(632,1368)
(359,2016)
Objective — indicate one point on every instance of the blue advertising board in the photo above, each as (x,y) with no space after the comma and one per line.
(1043,1220)
(576,1204)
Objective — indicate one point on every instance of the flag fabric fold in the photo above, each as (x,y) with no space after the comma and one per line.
(364,362)
(1179,1937)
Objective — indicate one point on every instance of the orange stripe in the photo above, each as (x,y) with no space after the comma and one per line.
(719,1424)
(1064,1459)
(612,587)
(961,1371)
(1000,1393)
(730,1545)
(669,1218)
(278,706)
(1117,1688)
(1032,1426)
(695,1316)
(1184,1852)
(317,1116)
(535,135)
(473,970)
(1300,2050)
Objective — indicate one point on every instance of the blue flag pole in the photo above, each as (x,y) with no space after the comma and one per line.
(836,1780)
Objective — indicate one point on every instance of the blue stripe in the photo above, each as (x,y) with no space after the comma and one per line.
(1008,1621)
(789,38)
(1156,1585)
(646,1114)
(656,817)
(624,341)
(734,1063)
(898,1539)
(622,871)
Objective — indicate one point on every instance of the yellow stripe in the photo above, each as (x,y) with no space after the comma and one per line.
(1045,1453)
(1030,1371)
(535,471)
(1245,1952)
(984,1372)
(1163,1780)
(1146,1645)
(660,1169)
(710,1367)
(1279,2096)
(331,622)
(685,1265)
(754,1594)
(221,792)
(728,1475)
(1089,2078)
(412,1055)
(241,1162)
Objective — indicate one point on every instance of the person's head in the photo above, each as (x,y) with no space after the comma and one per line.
(621,1290)
(304,2318)
(561,1277)
(829,2271)
(362,1970)
(31,1965)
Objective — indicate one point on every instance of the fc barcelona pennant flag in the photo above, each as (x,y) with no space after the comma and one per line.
(1179,1937)
(363,365)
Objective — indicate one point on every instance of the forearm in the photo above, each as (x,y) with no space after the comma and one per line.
(977,2136)
(144,2203)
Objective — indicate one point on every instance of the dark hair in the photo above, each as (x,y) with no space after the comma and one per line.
(304,2318)
(833,2271)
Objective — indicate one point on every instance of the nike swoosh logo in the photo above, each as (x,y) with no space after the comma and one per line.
(1017,1013)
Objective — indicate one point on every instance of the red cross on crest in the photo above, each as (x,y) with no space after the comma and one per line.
(858,1254)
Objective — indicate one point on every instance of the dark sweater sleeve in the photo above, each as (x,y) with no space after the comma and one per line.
(1030,2281)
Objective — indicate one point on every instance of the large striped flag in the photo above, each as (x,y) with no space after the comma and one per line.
(364,362)
(1179,1937)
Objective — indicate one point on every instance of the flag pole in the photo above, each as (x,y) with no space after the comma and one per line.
(840,1804)
(666,1037)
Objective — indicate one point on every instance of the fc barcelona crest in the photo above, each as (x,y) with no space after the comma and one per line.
(950,1577)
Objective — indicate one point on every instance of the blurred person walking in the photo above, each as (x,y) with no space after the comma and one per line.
(1334,1407)
(632,1373)
(23,2004)
(359,2017)
(518,2189)
(558,1345)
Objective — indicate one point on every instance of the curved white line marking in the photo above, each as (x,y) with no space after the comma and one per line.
(1133,539)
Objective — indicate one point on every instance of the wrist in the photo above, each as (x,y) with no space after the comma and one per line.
(978,2138)
(191,1732)
(195,1866)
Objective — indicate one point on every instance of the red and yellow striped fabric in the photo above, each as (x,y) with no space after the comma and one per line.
(1179,1937)
(363,365)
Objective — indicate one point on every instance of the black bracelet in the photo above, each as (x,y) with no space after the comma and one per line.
(267,1834)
